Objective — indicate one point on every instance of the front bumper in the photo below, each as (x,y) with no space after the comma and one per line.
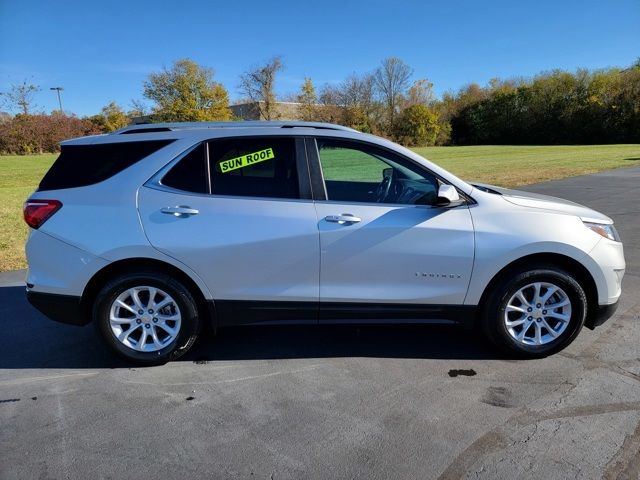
(61,308)
(606,265)
(601,315)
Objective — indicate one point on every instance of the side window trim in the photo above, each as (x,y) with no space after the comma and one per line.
(318,187)
(207,167)
(304,175)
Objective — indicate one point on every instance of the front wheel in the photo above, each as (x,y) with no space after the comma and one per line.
(147,318)
(534,313)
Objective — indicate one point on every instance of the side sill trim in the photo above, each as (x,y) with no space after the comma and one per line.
(396,313)
(248,312)
(251,312)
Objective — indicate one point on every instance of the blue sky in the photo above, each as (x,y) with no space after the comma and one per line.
(102,51)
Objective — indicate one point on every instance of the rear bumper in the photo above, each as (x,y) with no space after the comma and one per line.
(61,308)
(601,315)
(57,267)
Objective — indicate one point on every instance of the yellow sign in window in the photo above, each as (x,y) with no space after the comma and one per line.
(246,160)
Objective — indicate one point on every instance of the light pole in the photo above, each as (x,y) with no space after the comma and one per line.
(58,89)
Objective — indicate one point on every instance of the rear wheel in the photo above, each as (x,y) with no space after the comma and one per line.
(535,312)
(147,318)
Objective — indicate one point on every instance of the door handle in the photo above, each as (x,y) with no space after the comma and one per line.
(343,219)
(180,211)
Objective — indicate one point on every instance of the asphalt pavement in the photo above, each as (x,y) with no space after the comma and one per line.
(330,402)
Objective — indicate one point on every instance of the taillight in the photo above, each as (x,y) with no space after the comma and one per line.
(36,212)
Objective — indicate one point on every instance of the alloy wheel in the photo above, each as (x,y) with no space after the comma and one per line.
(537,313)
(145,318)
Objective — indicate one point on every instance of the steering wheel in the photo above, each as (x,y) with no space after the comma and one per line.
(384,188)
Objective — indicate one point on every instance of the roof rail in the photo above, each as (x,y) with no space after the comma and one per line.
(167,127)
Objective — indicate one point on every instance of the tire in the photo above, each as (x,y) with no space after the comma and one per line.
(546,330)
(153,337)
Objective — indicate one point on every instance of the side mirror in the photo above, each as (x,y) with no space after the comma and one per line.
(448,196)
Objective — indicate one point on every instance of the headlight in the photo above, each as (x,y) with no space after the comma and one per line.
(604,230)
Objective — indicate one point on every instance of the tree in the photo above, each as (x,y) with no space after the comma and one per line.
(391,80)
(258,85)
(27,134)
(356,96)
(350,103)
(357,90)
(420,93)
(329,109)
(417,126)
(187,92)
(20,97)
(110,118)
(307,100)
(138,109)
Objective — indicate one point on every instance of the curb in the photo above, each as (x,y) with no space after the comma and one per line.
(13,278)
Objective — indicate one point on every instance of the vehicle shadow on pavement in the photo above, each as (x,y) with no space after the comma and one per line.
(30,340)
(388,341)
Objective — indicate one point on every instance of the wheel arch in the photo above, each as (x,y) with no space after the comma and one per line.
(205,308)
(580,272)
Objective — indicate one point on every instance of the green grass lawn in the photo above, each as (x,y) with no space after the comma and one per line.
(19,176)
(511,166)
(500,165)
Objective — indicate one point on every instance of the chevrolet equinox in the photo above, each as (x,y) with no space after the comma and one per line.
(153,231)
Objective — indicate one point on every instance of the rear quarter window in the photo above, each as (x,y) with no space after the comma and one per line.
(82,165)
(190,173)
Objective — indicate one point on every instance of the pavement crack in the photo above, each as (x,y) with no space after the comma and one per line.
(497,438)
(228,380)
(10,400)
(625,464)
(51,377)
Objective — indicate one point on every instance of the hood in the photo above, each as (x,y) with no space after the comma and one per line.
(545,202)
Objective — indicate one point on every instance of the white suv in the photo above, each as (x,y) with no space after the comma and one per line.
(155,230)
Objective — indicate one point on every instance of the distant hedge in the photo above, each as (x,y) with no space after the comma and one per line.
(554,108)
(27,134)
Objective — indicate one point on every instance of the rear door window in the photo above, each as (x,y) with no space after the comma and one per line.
(81,165)
(254,167)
